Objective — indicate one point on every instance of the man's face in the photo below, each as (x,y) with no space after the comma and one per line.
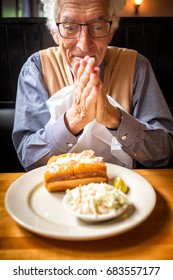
(84,12)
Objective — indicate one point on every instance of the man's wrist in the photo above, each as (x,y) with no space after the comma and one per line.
(114,123)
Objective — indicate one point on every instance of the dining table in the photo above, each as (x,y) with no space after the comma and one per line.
(150,240)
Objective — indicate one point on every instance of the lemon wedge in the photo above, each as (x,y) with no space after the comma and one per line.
(119,184)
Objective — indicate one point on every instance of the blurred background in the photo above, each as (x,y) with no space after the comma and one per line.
(33,8)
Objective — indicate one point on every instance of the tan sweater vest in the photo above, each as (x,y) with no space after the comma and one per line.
(118,73)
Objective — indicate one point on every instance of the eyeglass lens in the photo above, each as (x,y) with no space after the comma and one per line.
(73,30)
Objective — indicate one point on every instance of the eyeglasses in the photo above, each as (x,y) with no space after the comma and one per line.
(73,30)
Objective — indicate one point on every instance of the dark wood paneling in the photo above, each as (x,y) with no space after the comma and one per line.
(5,90)
(19,37)
(15,51)
(165,69)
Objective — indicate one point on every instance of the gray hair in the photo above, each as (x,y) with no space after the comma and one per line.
(51,10)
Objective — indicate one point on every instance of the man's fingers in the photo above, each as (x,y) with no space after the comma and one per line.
(85,69)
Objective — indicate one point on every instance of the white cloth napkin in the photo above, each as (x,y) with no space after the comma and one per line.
(95,136)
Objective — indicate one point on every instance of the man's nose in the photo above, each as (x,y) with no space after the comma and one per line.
(84,40)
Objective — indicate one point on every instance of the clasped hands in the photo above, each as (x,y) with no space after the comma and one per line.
(90,100)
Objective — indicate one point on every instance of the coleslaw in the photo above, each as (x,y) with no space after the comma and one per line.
(95,198)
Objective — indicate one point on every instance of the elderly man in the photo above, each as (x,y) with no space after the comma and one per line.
(83,94)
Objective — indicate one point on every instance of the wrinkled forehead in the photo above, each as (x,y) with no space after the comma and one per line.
(100,8)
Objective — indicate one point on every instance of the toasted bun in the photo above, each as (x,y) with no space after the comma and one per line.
(70,184)
(70,170)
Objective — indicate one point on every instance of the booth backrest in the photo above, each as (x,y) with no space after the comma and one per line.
(20,37)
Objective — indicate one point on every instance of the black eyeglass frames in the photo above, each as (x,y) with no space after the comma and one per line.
(97,29)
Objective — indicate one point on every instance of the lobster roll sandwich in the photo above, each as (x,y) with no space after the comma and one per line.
(71,170)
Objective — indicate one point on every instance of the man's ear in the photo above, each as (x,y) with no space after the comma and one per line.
(55,37)
(110,37)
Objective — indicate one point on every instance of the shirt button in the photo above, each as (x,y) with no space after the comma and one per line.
(124,137)
(69,145)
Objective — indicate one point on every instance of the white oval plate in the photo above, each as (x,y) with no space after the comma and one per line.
(34,208)
(92,217)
